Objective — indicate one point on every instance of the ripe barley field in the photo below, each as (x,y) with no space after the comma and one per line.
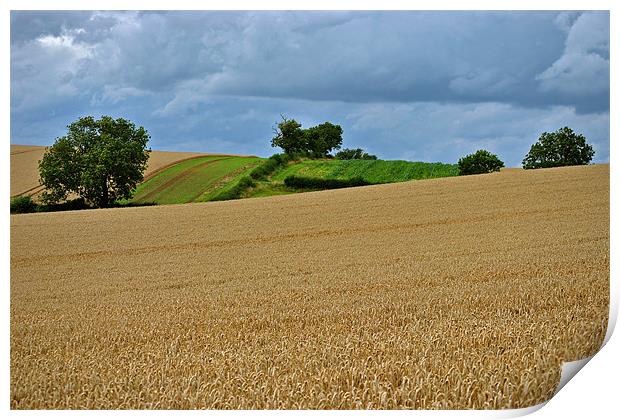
(464,292)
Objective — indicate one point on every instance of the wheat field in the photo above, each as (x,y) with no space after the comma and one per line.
(463,292)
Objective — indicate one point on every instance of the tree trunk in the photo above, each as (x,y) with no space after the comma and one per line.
(104,194)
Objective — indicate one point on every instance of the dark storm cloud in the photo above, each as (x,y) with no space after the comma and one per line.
(207,70)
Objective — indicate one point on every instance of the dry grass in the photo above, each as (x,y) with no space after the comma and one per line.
(25,166)
(447,293)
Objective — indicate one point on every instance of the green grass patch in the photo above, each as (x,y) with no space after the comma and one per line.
(267,189)
(372,171)
(214,178)
(194,180)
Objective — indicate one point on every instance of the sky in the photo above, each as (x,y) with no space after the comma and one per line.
(420,86)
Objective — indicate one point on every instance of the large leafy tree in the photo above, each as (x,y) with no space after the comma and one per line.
(560,148)
(323,138)
(99,160)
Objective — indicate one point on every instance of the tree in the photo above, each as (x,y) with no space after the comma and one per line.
(481,162)
(560,148)
(323,138)
(289,136)
(317,141)
(348,154)
(99,160)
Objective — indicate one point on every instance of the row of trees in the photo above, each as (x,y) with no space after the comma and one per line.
(103,160)
(561,148)
(316,141)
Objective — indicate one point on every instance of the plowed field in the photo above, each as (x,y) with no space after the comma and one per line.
(462,292)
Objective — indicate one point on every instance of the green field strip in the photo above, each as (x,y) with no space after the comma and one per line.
(166,175)
(374,171)
(228,180)
(189,180)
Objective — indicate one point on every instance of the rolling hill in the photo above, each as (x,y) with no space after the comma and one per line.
(203,179)
(182,177)
(373,171)
(192,180)
(25,171)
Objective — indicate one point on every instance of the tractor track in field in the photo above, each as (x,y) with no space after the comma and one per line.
(24,151)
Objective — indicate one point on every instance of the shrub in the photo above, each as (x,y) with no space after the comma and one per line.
(481,162)
(75,204)
(349,154)
(23,204)
(561,148)
(301,182)
(235,191)
(271,165)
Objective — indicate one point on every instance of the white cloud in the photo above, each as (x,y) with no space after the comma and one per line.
(47,69)
(583,68)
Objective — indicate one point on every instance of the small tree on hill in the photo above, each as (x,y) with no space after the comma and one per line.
(481,162)
(561,148)
(99,160)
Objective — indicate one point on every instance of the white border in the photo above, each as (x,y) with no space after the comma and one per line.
(592,393)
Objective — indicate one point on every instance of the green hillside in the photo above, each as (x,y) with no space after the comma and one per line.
(193,180)
(373,171)
(224,177)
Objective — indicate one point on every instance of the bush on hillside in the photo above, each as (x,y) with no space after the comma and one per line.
(271,165)
(481,162)
(301,182)
(236,191)
(75,204)
(349,154)
(23,204)
(27,205)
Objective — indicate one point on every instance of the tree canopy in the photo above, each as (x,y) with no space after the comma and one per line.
(481,162)
(560,148)
(289,136)
(318,141)
(99,160)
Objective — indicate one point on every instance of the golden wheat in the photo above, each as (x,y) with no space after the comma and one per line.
(450,293)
